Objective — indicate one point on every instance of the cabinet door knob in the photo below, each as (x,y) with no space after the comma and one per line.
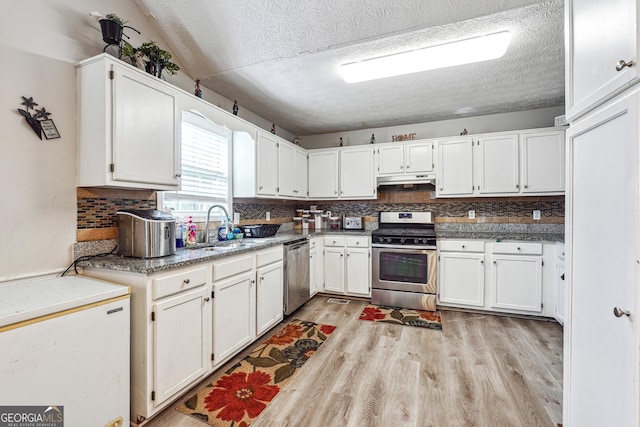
(408,166)
(261,278)
(261,187)
(206,299)
(186,281)
(518,186)
(562,277)
(518,248)
(622,64)
(495,262)
(177,175)
(481,261)
(463,246)
(618,312)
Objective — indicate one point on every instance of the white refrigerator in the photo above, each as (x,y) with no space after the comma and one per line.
(65,345)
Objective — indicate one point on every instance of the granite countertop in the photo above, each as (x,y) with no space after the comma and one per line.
(527,232)
(501,236)
(203,253)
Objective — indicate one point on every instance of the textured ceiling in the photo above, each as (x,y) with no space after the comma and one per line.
(280,58)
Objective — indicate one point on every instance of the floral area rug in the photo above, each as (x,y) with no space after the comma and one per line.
(402,316)
(237,396)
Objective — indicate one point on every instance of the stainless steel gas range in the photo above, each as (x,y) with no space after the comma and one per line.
(404,260)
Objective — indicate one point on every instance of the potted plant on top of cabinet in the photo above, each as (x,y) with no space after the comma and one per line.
(156,59)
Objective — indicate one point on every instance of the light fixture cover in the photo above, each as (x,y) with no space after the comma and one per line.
(461,52)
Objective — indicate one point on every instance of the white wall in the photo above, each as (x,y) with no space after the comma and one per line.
(40,41)
(480,124)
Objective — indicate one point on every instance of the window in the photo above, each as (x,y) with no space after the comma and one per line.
(205,160)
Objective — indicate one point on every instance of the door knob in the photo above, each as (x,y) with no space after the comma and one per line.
(622,64)
(618,312)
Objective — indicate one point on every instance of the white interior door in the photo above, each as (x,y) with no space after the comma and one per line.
(601,375)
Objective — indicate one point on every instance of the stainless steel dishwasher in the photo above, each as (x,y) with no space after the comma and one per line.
(296,274)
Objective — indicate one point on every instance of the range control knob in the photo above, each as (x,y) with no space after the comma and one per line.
(416,241)
(380,239)
(389,239)
(424,240)
(402,240)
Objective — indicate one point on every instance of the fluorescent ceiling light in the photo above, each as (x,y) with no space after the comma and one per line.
(467,51)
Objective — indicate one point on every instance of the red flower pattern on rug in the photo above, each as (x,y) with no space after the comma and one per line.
(238,393)
(237,396)
(286,335)
(403,316)
(372,313)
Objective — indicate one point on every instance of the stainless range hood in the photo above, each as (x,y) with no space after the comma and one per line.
(407,179)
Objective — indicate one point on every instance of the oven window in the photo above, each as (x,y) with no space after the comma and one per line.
(403,267)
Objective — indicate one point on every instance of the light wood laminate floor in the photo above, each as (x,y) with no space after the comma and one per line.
(481,370)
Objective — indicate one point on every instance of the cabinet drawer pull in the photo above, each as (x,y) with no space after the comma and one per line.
(186,281)
(463,246)
(622,64)
(562,277)
(618,312)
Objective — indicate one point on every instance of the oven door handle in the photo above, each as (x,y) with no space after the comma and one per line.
(422,248)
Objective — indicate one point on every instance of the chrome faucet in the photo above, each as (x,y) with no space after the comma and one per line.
(206,226)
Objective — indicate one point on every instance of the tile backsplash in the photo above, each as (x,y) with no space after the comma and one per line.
(97,207)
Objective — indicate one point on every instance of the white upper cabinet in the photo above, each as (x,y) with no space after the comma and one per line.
(357,173)
(455,168)
(543,162)
(323,174)
(286,169)
(128,127)
(404,162)
(292,170)
(526,163)
(301,178)
(601,37)
(391,159)
(419,157)
(267,164)
(499,164)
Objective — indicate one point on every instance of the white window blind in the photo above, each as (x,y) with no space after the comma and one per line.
(205,149)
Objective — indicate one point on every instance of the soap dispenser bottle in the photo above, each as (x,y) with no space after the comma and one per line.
(192,232)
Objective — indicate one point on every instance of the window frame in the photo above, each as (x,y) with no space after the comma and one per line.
(196,118)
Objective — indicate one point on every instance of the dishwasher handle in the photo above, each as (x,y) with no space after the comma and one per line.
(296,244)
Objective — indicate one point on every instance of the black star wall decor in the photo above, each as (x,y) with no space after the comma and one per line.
(38,119)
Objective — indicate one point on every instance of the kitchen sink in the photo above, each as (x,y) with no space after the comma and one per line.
(225,247)
(232,245)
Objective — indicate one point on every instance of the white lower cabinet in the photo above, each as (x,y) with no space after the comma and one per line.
(333,269)
(511,281)
(186,322)
(269,292)
(248,300)
(316,265)
(561,284)
(462,278)
(170,330)
(347,265)
(516,283)
(180,342)
(234,311)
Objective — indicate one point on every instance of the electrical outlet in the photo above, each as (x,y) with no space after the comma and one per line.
(268,216)
(236,218)
(472,214)
(536,215)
